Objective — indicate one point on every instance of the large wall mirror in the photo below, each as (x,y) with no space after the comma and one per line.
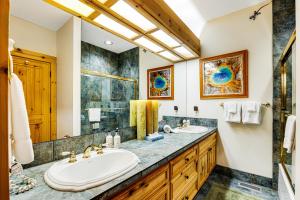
(78,79)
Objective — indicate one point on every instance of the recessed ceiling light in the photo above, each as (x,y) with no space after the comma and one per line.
(76,6)
(130,14)
(115,26)
(169,56)
(148,44)
(108,42)
(184,52)
(165,38)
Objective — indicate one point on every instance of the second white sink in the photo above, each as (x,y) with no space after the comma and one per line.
(191,129)
(90,172)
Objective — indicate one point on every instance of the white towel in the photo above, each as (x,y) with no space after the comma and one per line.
(289,134)
(251,112)
(94,114)
(232,111)
(22,144)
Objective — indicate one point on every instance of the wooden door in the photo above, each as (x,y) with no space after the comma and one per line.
(35,76)
(211,157)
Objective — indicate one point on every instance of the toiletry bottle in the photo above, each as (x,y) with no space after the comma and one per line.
(109,140)
(117,139)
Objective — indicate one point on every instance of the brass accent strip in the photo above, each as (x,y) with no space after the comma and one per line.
(288,47)
(101,74)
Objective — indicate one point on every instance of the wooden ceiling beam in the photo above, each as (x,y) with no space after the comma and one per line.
(164,15)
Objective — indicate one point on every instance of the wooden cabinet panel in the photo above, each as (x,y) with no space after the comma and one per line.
(162,194)
(179,163)
(190,192)
(35,77)
(148,187)
(211,157)
(180,182)
(202,169)
(205,144)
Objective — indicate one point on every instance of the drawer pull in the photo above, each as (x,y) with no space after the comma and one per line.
(186,198)
(187,160)
(187,177)
(143,184)
(131,192)
(210,149)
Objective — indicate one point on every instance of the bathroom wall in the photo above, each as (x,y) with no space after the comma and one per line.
(111,95)
(149,60)
(32,37)
(68,78)
(240,147)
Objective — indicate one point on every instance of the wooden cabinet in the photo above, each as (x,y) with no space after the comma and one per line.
(154,186)
(207,158)
(180,179)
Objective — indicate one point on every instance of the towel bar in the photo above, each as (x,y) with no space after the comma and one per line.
(267,105)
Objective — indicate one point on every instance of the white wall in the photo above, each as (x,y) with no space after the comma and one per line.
(32,37)
(68,78)
(245,148)
(149,60)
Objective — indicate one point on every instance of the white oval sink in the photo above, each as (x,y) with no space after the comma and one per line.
(191,129)
(90,172)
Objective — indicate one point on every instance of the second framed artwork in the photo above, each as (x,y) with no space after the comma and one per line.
(224,76)
(160,83)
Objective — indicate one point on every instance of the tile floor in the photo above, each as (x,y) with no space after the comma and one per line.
(265,194)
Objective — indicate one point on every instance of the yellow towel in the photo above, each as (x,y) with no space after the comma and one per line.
(149,117)
(133,113)
(141,119)
(155,115)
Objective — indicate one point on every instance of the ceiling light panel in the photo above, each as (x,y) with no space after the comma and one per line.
(130,14)
(184,52)
(169,55)
(115,26)
(143,41)
(165,38)
(76,6)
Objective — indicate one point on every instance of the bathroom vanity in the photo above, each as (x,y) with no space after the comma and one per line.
(173,168)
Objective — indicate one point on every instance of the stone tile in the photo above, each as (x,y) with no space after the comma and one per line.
(77,144)
(43,153)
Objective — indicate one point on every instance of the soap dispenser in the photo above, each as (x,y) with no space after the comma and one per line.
(117,139)
(109,140)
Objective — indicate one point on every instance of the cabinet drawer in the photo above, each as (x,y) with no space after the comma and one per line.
(145,188)
(190,192)
(162,194)
(183,180)
(178,164)
(206,143)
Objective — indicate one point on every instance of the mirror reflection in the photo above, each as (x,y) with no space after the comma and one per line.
(78,79)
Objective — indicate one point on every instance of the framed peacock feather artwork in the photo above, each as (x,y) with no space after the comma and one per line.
(224,76)
(161,83)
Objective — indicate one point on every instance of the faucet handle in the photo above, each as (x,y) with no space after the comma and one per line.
(72,154)
(98,149)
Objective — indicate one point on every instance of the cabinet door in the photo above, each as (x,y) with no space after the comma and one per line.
(35,77)
(211,157)
(202,169)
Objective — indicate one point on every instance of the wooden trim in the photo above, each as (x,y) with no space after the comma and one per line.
(53,83)
(245,75)
(171,67)
(4,165)
(167,19)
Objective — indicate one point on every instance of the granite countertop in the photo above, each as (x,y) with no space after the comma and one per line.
(152,156)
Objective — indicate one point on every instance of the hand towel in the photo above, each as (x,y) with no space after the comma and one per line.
(94,114)
(22,144)
(149,117)
(232,112)
(289,134)
(133,118)
(141,119)
(251,112)
(155,106)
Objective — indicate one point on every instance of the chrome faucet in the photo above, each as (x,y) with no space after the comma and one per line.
(87,151)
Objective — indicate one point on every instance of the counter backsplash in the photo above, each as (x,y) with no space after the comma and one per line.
(50,151)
